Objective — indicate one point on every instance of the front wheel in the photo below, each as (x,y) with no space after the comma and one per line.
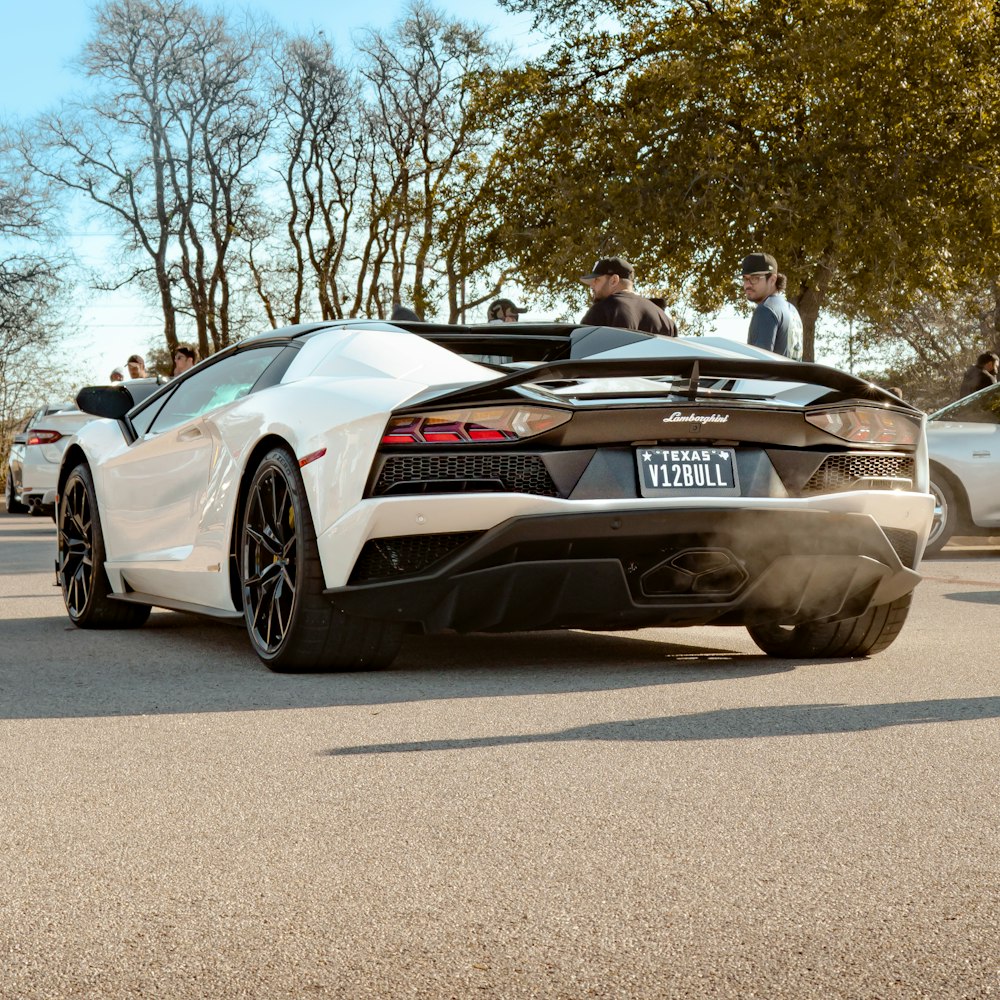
(80,563)
(292,626)
(869,633)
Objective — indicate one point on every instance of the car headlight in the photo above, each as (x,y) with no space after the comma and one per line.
(867,425)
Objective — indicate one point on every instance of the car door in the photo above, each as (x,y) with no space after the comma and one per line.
(965,438)
(158,491)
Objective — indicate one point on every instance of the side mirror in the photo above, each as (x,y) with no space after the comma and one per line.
(112,401)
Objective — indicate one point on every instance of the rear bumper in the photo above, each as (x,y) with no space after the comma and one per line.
(632,568)
(42,498)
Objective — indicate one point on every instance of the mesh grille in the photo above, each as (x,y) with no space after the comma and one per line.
(389,557)
(840,471)
(465,473)
(905,544)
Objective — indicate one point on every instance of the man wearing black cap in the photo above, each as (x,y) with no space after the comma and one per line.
(615,304)
(775,324)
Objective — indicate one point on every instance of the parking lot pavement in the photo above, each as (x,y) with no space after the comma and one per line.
(659,814)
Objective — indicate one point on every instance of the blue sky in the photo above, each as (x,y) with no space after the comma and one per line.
(40,38)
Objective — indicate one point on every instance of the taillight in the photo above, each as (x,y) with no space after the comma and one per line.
(43,437)
(476,425)
(867,425)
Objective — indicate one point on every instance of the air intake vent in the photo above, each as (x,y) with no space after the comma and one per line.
(410,474)
(842,472)
(905,544)
(384,558)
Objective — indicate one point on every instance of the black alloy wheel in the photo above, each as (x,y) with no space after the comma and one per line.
(292,625)
(80,563)
(270,558)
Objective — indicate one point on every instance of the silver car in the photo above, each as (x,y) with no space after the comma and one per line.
(963,442)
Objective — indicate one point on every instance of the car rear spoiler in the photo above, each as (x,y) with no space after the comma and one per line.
(687,374)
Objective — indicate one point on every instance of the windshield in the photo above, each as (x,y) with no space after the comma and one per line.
(981,407)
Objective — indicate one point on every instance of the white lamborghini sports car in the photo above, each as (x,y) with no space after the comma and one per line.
(339,483)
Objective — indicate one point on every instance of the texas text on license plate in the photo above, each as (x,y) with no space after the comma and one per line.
(688,471)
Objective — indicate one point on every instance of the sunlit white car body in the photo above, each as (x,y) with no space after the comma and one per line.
(169,500)
(171,507)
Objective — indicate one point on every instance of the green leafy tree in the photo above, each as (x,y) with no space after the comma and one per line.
(854,139)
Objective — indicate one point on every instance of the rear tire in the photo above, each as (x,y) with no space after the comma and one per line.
(14,506)
(291,624)
(81,557)
(945,516)
(869,633)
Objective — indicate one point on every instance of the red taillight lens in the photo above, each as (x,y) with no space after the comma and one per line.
(867,425)
(476,425)
(43,437)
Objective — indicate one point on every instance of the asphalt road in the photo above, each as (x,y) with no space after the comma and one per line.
(659,814)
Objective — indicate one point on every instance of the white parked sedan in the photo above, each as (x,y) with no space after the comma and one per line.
(35,454)
(963,442)
(338,483)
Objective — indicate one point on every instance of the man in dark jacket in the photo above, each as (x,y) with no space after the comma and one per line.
(616,304)
(980,375)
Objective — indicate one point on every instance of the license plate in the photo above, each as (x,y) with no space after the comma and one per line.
(687,472)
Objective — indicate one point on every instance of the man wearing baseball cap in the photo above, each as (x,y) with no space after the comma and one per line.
(616,304)
(775,324)
(503,311)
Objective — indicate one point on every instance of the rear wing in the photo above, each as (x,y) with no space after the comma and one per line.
(682,377)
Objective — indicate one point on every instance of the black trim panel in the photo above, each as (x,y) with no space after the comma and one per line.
(587,571)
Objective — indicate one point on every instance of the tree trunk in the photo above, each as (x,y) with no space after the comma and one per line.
(808,303)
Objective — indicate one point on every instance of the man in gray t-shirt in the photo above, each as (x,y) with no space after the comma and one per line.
(775,324)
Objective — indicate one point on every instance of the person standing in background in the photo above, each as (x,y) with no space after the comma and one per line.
(185,357)
(775,324)
(980,375)
(503,311)
(616,304)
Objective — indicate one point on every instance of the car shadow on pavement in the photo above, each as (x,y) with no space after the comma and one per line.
(179,663)
(724,724)
(978,597)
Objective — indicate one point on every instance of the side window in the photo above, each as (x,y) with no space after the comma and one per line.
(982,408)
(142,420)
(212,387)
